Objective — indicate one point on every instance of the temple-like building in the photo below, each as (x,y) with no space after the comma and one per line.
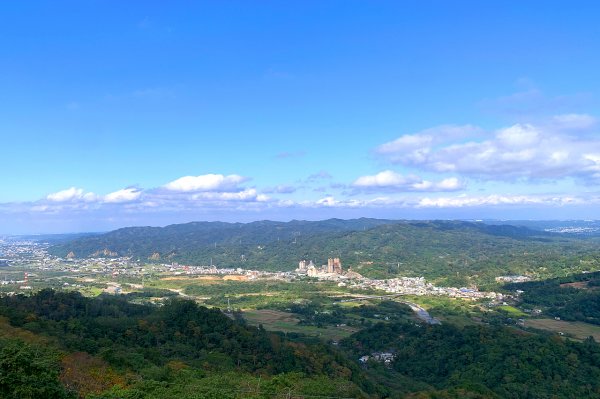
(334,265)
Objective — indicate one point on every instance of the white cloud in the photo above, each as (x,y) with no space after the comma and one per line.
(70,195)
(496,199)
(327,201)
(391,181)
(416,147)
(124,195)
(407,143)
(518,136)
(75,196)
(210,191)
(208,182)
(520,151)
(247,195)
(332,202)
(450,184)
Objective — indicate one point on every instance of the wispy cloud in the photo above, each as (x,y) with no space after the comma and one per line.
(575,121)
(530,102)
(415,147)
(321,175)
(280,189)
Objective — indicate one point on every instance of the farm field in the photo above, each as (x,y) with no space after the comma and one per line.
(274,320)
(512,311)
(577,329)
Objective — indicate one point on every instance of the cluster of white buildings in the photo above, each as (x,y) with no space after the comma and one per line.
(382,357)
(401,285)
(512,279)
(21,251)
(419,286)
(333,267)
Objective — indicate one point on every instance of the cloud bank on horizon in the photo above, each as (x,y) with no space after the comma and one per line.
(455,158)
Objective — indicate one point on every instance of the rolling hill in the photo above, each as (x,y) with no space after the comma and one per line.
(451,252)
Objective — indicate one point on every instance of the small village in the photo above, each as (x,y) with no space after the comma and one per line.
(33,255)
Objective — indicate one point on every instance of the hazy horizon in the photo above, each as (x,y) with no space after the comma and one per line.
(488,221)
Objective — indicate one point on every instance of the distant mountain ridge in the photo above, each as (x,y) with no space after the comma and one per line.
(449,250)
(176,238)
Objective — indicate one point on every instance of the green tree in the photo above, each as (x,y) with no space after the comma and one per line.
(29,372)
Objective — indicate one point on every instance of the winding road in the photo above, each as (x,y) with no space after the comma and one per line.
(419,311)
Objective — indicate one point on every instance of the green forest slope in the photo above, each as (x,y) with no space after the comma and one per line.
(64,345)
(450,252)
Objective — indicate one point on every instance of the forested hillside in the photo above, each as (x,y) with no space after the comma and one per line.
(196,240)
(108,347)
(449,252)
(63,345)
(482,361)
(572,298)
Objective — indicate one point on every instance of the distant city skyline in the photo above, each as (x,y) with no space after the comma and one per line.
(120,114)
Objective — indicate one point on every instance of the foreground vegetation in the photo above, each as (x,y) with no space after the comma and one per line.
(64,345)
(495,362)
(137,351)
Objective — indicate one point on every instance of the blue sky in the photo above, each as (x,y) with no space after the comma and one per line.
(150,113)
